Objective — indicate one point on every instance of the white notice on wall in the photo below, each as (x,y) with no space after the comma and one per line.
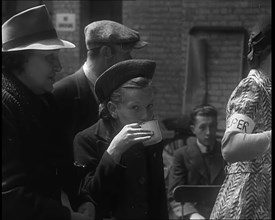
(65,22)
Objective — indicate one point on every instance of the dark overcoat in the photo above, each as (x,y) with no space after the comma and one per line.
(30,160)
(76,102)
(78,109)
(189,168)
(133,189)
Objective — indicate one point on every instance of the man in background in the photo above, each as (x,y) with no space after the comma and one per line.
(199,162)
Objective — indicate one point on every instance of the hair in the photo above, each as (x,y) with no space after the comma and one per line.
(116,96)
(203,110)
(93,53)
(259,44)
(14,61)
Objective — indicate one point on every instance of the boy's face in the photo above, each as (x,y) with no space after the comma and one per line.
(136,106)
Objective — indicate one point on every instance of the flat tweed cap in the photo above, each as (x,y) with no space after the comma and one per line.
(120,73)
(111,32)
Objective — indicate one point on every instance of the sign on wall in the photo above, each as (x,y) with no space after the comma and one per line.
(65,22)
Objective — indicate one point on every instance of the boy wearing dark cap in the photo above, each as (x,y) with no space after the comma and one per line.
(123,175)
(32,158)
(107,43)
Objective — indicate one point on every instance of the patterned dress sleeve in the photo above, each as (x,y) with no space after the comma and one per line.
(246,121)
(245,99)
(243,107)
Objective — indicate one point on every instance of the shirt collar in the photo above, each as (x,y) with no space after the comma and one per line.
(203,148)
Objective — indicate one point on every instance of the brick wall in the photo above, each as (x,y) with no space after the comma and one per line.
(166,25)
(69,58)
(159,22)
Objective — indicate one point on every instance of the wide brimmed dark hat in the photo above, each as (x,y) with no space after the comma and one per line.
(120,73)
(31,29)
(110,32)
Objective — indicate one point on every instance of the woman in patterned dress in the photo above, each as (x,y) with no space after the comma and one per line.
(246,191)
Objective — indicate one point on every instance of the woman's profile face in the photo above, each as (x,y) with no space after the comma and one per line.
(40,69)
(136,105)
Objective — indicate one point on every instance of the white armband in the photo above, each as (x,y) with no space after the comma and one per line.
(240,123)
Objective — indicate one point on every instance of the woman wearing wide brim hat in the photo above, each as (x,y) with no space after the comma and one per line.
(32,156)
(31,29)
(246,144)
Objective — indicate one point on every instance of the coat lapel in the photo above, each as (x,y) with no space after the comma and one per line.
(216,165)
(88,106)
(195,159)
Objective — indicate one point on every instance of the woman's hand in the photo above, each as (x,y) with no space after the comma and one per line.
(129,135)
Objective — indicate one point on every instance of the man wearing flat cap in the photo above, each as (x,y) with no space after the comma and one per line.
(132,185)
(32,157)
(107,43)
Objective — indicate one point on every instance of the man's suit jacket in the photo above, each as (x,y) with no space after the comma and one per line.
(77,102)
(189,168)
(78,109)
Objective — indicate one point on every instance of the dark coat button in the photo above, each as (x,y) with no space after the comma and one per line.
(141,180)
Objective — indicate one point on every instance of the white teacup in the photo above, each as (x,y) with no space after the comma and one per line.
(152,125)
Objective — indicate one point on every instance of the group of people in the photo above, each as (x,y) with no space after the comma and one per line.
(83,136)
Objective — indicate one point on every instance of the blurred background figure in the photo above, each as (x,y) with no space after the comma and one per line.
(123,175)
(199,162)
(246,144)
(181,128)
(32,156)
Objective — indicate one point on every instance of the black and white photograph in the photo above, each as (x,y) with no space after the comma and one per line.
(136,109)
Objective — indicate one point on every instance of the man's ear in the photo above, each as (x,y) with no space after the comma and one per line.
(192,128)
(112,108)
(106,51)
